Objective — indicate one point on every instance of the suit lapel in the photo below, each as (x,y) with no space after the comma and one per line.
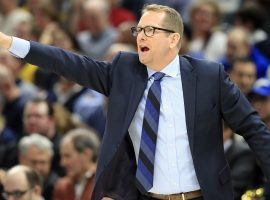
(136,93)
(188,76)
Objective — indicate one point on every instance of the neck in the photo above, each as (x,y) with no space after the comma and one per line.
(90,168)
(51,132)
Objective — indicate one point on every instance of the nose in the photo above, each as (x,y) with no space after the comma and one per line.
(141,36)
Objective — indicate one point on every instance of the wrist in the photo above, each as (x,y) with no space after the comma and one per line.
(5,41)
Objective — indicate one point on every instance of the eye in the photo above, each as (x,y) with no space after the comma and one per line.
(148,29)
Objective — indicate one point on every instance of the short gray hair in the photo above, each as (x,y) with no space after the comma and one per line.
(40,142)
(83,139)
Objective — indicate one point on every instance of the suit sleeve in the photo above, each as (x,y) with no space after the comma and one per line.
(244,120)
(80,69)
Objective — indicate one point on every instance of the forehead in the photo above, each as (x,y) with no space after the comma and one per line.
(244,66)
(15,181)
(34,152)
(151,18)
(39,107)
(67,145)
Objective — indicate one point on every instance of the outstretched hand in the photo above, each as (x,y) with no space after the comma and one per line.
(5,41)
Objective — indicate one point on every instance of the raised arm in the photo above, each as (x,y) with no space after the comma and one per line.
(80,69)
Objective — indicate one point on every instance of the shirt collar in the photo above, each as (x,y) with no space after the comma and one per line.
(227,144)
(172,69)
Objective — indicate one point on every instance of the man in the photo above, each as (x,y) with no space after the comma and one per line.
(22,183)
(14,100)
(243,74)
(98,35)
(78,146)
(11,15)
(195,95)
(36,151)
(15,65)
(260,99)
(38,117)
(238,46)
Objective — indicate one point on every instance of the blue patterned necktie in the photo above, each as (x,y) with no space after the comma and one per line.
(145,168)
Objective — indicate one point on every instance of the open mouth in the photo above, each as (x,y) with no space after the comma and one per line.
(144,49)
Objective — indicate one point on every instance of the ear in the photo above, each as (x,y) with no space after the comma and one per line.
(89,154)
(175,38)
(37,190)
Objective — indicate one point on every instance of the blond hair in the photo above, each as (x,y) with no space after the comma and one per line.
(172,20)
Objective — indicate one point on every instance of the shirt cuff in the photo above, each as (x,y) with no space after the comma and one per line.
(19,47)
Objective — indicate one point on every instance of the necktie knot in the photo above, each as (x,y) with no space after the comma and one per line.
(158,76)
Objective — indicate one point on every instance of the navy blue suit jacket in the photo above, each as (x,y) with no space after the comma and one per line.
(209,97)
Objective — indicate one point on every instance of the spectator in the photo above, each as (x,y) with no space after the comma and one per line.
(8,143)
(38,117)
(124,35)
(15,65)
(239,45)
(98,36)
(11,15)
(79,151)
(36,151)
(243,73)
(44,16)
(204,20)
(14,100)
(260,98)
(22,183)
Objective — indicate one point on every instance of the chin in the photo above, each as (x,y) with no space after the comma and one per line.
(142,60)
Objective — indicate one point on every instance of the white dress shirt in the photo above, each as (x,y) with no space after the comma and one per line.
(174,170)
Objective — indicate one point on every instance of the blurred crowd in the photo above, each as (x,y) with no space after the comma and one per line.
(51,128)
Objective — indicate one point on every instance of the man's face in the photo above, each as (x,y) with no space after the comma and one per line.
(262,105)
(236,46)
(36,119)
(70,158)
(94,20)
(154,50)
(244,75)
(204,18)
(17,188)
(39,160)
